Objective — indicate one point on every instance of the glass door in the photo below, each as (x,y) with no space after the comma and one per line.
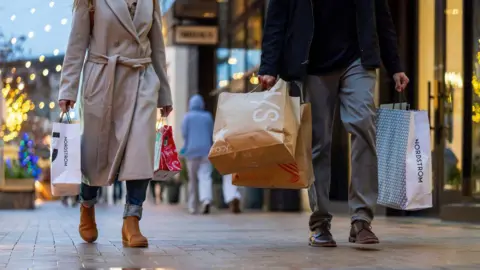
(440,91)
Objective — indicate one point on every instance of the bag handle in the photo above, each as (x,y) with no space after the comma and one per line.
(402,98)
(69,120)
(163,121)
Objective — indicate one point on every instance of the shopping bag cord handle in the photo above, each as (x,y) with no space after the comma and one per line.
(67,114)
(401,98)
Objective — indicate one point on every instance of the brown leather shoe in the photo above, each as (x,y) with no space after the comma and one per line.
(361,233)
(88,228)
(131,235)
(235,206)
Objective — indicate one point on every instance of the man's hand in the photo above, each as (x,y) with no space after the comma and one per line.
(166,110)
(66,105)
(401,81)
(267,81)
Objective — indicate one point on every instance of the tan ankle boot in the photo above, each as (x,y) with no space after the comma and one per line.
(131,235)
(88,228)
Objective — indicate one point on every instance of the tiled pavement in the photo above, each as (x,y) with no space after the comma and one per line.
(47,238)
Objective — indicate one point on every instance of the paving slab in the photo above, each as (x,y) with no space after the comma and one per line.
(47,238)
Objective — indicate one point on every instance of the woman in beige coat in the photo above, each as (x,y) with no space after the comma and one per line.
(124,82)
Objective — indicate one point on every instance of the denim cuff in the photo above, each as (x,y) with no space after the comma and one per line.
(132,210)
(88,203)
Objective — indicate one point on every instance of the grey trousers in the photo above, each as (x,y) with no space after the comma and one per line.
(354,88)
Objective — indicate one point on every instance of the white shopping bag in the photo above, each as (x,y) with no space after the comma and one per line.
(404,159)
(419,163)
(66,173)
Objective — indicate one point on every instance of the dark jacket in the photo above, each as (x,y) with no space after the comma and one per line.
(289,29)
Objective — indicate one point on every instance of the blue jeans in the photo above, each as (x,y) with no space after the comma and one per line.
(136,194)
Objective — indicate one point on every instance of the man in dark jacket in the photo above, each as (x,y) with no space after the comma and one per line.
(332,49)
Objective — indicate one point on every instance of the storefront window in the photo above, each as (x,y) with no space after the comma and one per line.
(453,96)
(254,43)
(476,99)
(237,8)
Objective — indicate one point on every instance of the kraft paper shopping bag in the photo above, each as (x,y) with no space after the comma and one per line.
(255,129)
(296,175)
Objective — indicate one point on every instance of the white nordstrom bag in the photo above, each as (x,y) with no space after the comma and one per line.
(404,159)
(65,153)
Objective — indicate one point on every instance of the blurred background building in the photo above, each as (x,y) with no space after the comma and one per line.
(215,46)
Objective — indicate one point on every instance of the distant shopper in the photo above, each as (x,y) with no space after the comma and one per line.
(197,131)
(333,48)
(117,191)
(231,195)
(157,197)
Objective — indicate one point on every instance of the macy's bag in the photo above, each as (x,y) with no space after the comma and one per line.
(255,129)
(65,153)
(167,164)
(296,175)
(404,159)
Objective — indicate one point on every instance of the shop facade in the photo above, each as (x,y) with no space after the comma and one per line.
(440,49)
(448,70)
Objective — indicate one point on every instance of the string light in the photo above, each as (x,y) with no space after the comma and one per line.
(31,34)
(41,58)
(32,77)
(58,68)
(32,10)
(52,4)
(47,28)
(14,40)
(28,64)
(56,52)
(52,105)
(45,72)
(64,21)
(41,105)
(13,17)
(21,86)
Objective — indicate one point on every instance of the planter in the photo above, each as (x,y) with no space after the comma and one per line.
(17,194)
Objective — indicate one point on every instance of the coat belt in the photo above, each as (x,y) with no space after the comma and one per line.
(111,63)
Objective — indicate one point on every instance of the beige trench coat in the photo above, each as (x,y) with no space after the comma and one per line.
(124,81)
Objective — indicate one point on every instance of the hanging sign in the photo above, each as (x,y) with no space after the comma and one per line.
(195,35)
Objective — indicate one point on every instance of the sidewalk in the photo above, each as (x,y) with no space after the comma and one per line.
(47,238)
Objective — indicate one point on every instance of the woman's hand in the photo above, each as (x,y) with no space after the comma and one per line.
(66,105)
(166,110)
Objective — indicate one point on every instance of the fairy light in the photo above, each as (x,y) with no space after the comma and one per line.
(52,4)
(32,77)
(41,105)
(52,105)
(28,64)
(47,28)
(64,21)
(31,34)
(17,107)
(56,52)
(13,17)
(41,58)
(13,41)
(45,72)
(32,10)
(58,68)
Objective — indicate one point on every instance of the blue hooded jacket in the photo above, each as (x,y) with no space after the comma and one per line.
(197,129)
